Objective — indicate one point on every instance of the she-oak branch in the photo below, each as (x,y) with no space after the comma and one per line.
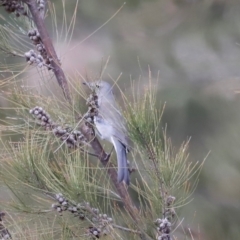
(87,131)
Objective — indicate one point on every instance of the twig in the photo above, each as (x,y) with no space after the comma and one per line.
(87,131)
(47,42)
(126,229)
(102,155)
(152,156)
(4,233)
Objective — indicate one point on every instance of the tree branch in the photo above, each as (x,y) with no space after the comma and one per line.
(47,42)
(86,131)
(102,155)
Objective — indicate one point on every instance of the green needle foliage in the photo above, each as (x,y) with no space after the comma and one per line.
(41,170)
(163,170)
(38,165)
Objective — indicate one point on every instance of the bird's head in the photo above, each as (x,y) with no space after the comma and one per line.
(101,87)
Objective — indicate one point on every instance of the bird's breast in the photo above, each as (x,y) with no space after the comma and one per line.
(104,128)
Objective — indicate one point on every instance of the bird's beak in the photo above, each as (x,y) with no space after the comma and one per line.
(86,83)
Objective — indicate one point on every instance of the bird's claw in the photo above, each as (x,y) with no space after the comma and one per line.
(107,156)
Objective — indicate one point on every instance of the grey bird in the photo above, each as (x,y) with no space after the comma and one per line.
(110,125)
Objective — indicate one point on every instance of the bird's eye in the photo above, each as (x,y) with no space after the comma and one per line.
(97,86)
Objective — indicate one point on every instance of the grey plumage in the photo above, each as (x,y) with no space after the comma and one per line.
(110,125)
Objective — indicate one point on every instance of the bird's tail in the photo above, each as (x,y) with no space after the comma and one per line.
(121,152)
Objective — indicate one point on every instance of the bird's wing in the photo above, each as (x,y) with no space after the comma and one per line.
(109,111)
(123,174)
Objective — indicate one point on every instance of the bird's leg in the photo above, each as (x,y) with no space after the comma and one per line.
(111,151)
(108,155)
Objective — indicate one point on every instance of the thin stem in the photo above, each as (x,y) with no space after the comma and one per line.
(126,229)
(102,155)
(47,42)
(87,131)
(152,156)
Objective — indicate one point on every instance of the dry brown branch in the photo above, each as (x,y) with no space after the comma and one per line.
(87,131)
(103,156)
(47,42)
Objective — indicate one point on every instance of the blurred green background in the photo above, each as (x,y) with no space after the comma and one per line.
(193,48)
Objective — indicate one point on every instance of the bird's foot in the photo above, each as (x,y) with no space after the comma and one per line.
(107,156)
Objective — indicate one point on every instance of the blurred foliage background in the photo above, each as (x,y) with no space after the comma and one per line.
(193,48)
